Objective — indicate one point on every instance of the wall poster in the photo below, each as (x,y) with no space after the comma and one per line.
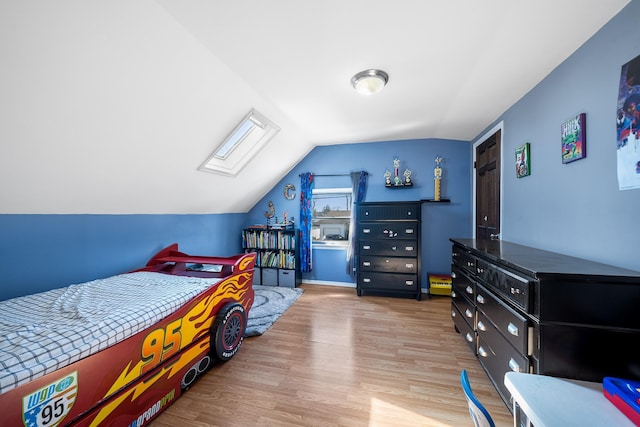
(627,121)
(573,134)
(523,160)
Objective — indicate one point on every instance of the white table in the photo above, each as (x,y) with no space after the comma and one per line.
(549,402)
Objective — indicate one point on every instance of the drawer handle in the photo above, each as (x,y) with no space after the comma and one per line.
(480,299)
(409,231)
(409,282)
(468,313)
(469,290)
(408,265)
(366,230)
(469,264)
(453,313)
(366,247)
(481,326)
(366,263)
(408,248)
(453,294)
(482,352)
(469,337)
(366,280)
(480,270)
(513,365)
(453,275)
(393,248)
(513,329)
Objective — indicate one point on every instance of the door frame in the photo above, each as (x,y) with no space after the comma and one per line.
(498,127)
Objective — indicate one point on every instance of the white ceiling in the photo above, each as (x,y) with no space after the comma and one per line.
(170,78)
(454,66)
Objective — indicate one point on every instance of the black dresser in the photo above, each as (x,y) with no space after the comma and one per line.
(529,310)
(388,249)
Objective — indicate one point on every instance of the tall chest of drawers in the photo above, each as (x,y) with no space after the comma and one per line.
(388,249)
(528,310)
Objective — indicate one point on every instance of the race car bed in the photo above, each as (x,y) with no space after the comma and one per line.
(118,351)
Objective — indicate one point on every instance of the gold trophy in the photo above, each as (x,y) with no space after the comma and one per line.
(438,176)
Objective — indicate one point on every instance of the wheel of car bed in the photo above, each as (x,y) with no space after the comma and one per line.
(228,331)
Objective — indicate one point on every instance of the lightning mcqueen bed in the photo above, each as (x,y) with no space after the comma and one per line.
(118,351)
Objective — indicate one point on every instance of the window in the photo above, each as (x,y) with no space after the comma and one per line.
(242,144)
(331,216)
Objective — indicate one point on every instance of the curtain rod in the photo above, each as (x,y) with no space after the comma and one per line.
(335,174)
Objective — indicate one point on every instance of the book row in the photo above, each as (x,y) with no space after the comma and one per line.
(268,239)
(276,259)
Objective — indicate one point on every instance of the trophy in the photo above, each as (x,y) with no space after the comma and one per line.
(393,179)
(438,176)
(407,177)
(396,166)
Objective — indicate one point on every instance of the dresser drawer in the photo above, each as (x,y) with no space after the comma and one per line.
(465,307)
(463,259)
(512,325)
(396,211)
(511,285)
(388,230)
(387,281)
(406,248)
(389,264)
(462,285)
(463,326)
(498,358)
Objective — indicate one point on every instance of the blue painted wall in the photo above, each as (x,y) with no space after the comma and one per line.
(440,221)
(576,208)
(41,252)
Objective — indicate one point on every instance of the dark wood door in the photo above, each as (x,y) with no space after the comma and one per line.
(488,188)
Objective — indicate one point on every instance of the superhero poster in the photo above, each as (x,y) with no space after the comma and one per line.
(574,138)
(627,122)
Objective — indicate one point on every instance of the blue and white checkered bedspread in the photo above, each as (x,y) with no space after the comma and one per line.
(43,332)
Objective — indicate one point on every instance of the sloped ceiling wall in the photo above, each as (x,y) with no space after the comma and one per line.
(110,107)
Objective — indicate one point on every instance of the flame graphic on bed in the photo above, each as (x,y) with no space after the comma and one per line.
(195,325)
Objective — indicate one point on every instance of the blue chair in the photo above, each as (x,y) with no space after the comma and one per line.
(479,415)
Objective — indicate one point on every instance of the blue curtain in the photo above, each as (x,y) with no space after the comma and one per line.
(358,188)
(306,213)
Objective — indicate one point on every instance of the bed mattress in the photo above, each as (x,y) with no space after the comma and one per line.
(43,332)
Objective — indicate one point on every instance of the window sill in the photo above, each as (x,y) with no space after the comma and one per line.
(329,247)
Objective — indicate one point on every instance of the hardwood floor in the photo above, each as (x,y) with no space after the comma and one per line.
(336,359)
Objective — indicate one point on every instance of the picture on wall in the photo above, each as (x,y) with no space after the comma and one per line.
(523,160)
(574,138)
(627,122)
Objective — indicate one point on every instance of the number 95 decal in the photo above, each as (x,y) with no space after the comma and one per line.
(48,406)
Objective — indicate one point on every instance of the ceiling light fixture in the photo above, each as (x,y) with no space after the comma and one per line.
(369,82)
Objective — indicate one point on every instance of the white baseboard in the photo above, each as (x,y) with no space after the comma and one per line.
(325,283)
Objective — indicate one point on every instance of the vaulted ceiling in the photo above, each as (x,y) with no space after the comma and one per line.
(111,106)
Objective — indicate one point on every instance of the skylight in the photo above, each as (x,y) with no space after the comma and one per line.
(241,145)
